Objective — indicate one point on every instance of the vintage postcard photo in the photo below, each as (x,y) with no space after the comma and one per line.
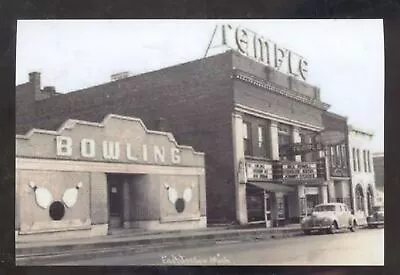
(199,142)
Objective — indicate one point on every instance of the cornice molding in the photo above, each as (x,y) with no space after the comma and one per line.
(258,82)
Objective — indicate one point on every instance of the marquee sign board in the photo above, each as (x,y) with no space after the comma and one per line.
(300,170)
(258,171)
(265,51)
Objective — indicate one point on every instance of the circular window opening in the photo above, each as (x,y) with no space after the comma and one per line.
(180,205)
(57,210)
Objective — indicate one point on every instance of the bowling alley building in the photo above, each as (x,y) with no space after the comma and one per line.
(237,110)
(86,179)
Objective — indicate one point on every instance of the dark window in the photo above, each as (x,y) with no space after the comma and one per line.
(284,138)
(247,145)
(359,198)
(261,140)
(338,156)
(333,156)
(354,159)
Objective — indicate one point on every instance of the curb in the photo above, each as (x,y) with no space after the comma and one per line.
(53,254)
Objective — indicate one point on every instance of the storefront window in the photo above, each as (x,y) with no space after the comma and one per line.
(359,198)
(280,208)
(303,207)
(312,200)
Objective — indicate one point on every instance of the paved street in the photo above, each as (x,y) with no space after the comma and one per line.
(364,247)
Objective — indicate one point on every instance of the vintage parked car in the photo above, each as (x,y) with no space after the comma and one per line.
(377,217)
(329,217)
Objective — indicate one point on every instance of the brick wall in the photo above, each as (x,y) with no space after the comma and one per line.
(195,98)
(336,122)
(270,102)
(333,121)
(283,80)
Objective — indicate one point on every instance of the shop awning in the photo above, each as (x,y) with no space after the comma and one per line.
(273,187)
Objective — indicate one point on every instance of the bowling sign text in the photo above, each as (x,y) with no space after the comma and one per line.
(114,151)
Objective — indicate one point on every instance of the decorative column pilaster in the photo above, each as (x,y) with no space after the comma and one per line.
(239,168)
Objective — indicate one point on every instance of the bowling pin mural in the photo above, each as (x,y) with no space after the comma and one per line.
(44,198)
(179,202)
(42,195)
(71,195)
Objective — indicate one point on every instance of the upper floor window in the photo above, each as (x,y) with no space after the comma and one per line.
(354,159)
(247,138)
(344,158)
(332,154)
(262,140)
(358,159)
(338,156)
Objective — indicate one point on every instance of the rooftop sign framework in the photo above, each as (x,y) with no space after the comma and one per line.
(265,51)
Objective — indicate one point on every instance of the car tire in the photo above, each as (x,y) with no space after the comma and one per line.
(353,226)
(307,232)
(333,228)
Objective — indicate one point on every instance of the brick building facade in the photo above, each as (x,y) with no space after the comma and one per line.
(236,110)
(339,183)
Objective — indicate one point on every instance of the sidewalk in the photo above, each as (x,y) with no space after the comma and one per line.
(131,241)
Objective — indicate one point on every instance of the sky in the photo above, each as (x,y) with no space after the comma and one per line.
(345,57)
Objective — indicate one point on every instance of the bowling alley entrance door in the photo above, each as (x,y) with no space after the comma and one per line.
(118,208)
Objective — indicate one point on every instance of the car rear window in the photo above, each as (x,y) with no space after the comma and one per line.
(322,208)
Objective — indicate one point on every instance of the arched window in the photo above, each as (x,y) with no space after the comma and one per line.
(359,198)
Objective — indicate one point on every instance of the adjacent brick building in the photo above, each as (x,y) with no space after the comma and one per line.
(339,184)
